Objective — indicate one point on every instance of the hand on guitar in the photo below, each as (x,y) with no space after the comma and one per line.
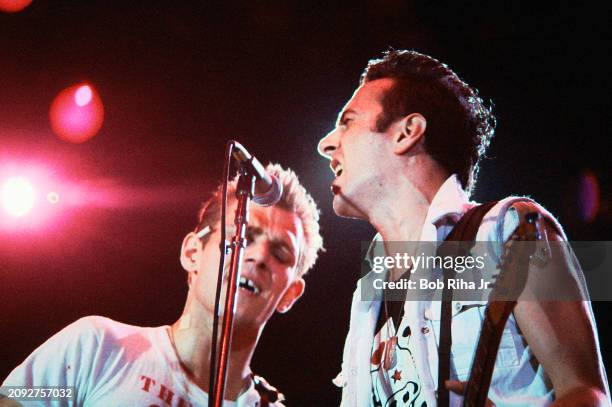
(458,387)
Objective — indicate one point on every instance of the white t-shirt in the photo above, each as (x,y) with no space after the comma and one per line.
(113,364)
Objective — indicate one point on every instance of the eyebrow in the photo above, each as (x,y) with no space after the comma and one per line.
(290,249)
(343,115)
(275,240)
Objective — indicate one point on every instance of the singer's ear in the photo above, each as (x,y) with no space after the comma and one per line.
(409,133)
(190,250)
(293,292)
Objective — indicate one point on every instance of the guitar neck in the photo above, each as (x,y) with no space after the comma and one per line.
(496,315)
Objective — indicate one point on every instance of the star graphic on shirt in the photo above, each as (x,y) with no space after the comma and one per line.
(397,376)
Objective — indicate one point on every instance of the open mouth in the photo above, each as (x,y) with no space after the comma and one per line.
(337,168)
(248,285)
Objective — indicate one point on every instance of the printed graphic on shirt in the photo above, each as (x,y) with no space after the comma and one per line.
(166,396)
(395,381)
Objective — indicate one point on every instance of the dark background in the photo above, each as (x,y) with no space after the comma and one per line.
(179,80)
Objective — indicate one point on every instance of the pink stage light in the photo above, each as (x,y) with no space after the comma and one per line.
(83,95)
(18,196)
(590,196)
(53,197)
(13,6)
(77,113)
(23,187)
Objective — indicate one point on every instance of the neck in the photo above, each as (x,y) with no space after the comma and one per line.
(192,341)
(400,213)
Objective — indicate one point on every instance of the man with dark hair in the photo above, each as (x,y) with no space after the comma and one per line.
(405,154)
(107,363)
(459,125)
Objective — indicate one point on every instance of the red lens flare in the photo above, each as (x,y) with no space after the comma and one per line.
(83,95)
(77,113)
(13,6)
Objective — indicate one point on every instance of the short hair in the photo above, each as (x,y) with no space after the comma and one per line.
(460,125)
(295,199)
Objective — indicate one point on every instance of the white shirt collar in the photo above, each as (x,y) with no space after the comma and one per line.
(450,199)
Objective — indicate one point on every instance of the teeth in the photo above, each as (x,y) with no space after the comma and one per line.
(338,170)
(248,285)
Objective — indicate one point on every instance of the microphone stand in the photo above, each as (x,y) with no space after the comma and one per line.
(244,192)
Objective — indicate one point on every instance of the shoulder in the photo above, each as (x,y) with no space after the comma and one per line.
(93,324)
(63,357)
(119,340)
(99,328)
(89,334)
(499,222)
(106,326)
(83,330)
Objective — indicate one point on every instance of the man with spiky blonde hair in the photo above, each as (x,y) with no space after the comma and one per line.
(108,363)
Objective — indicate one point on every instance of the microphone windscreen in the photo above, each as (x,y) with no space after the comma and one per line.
(271,196)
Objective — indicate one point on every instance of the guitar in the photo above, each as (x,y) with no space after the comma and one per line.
(510,282)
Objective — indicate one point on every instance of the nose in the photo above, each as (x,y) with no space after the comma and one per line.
(257,253)
(328,144)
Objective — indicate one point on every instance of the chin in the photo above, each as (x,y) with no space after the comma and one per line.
(343,208)
(249,323)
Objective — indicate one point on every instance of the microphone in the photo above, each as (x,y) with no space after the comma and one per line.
(268,189)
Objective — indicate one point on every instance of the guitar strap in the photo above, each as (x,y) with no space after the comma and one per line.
(464,231)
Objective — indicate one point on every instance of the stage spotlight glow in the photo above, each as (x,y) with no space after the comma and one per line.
(18,196)
(590,196)
(77,113)
(83,95)
(53,197)
(13,6)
